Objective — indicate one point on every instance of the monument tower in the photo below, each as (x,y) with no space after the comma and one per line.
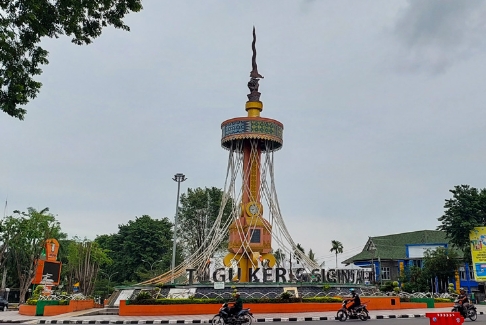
(250,235)
(255,219)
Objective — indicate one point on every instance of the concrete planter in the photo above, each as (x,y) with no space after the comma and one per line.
(52,307)
(373,303)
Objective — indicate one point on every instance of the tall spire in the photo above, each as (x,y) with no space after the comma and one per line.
(254,72)
(254,95)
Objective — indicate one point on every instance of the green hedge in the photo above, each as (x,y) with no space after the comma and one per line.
(166,301)
(443,300)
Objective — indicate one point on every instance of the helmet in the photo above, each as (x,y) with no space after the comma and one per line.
(461,289)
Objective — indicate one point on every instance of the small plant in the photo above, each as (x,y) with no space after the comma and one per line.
(387,287)
(286,295)
(450,288)
(143,295)
(31,302)
(326,286)
(442,300)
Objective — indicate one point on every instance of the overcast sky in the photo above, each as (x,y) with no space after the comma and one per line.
(383,105)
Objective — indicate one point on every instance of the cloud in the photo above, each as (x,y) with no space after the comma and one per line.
(436,34)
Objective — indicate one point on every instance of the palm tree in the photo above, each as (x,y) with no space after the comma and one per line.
(337,247)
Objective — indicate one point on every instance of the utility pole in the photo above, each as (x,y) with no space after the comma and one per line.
(179,178)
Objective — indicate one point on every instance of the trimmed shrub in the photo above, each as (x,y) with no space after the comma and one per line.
(166,301)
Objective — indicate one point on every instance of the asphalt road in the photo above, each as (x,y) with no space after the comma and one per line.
(396,321)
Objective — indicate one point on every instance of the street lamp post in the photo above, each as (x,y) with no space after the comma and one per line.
(152,264)
(109,280)
(179,178)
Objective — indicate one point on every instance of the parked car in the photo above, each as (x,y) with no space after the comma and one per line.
(3,304)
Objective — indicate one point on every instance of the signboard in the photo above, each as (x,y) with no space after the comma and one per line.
(477,238)
(180,293)
(218,285)
(417,251)
(47,273)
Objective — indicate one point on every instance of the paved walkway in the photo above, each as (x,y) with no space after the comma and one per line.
(80,318)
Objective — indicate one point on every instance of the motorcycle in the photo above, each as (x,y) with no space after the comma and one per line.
(244,317)
(359,312)
(470,313)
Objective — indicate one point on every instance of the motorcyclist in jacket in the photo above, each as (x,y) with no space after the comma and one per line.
(237,306)
(463,301)
(355,299)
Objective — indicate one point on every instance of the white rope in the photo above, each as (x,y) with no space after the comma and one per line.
(235,187)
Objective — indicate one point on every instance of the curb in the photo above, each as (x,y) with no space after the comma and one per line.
(201,321)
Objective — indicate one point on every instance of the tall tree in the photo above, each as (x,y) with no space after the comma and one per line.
(33,228)
(197,214)
(337,248)
(137,244)
(84,261)
(441,263)
(23,24)
(464,211)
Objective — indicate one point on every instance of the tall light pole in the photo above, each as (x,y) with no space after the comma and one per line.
(179,178)
(152,264)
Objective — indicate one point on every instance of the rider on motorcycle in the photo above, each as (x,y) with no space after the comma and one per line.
(355,299)
(463,301)
(237,306)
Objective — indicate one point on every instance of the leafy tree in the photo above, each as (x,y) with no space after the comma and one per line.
(464,211)
(84,261)
(137,244)
(197,214)
(415,280)
(23,24)
(441,263)
(337,247)
(33,228)
(8,233)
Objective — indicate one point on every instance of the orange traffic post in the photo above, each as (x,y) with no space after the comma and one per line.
(445,318)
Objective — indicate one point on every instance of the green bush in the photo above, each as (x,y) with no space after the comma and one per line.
(38,290)
(143,295)
(31,302)
(166,301)
(387,287)
(443,300)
